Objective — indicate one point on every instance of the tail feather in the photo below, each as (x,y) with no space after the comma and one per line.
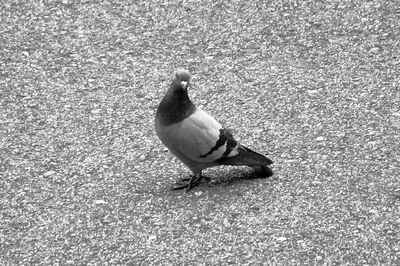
(250,158)
(263,170)
(247,157)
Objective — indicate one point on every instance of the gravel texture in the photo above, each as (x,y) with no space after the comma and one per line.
(84,179)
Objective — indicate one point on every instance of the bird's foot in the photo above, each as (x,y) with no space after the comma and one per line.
(181,183)
(194,181)
(187,182)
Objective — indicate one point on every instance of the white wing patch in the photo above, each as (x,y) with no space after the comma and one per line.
(234,151)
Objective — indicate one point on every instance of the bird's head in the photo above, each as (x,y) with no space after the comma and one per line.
(182,78)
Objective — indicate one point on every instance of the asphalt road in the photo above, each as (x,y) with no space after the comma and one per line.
(84,179)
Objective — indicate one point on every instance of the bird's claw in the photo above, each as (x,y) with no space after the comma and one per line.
(180,185)
(194,181)
(187,182)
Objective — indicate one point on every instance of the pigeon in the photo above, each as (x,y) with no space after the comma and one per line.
(197,139)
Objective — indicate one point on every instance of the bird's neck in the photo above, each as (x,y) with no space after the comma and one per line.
(175,108)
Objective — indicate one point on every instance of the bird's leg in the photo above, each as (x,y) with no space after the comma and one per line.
(194,181)
(188,182)
(187,179)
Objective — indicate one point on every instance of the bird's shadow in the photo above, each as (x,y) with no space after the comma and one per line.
(232,177)
(217,178)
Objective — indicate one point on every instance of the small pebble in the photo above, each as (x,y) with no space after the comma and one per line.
(95,111)
(312,91)
(374,50)
(99,202)
(49,173)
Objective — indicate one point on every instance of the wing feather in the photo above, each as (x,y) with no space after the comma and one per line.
(199,137)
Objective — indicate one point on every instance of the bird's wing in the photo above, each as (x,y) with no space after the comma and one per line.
(199,137)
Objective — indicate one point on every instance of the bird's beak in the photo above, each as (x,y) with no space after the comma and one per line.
(184,84)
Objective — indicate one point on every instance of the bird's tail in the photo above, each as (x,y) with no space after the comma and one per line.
(250,158)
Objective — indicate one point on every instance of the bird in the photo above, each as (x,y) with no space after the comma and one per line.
(196,138)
